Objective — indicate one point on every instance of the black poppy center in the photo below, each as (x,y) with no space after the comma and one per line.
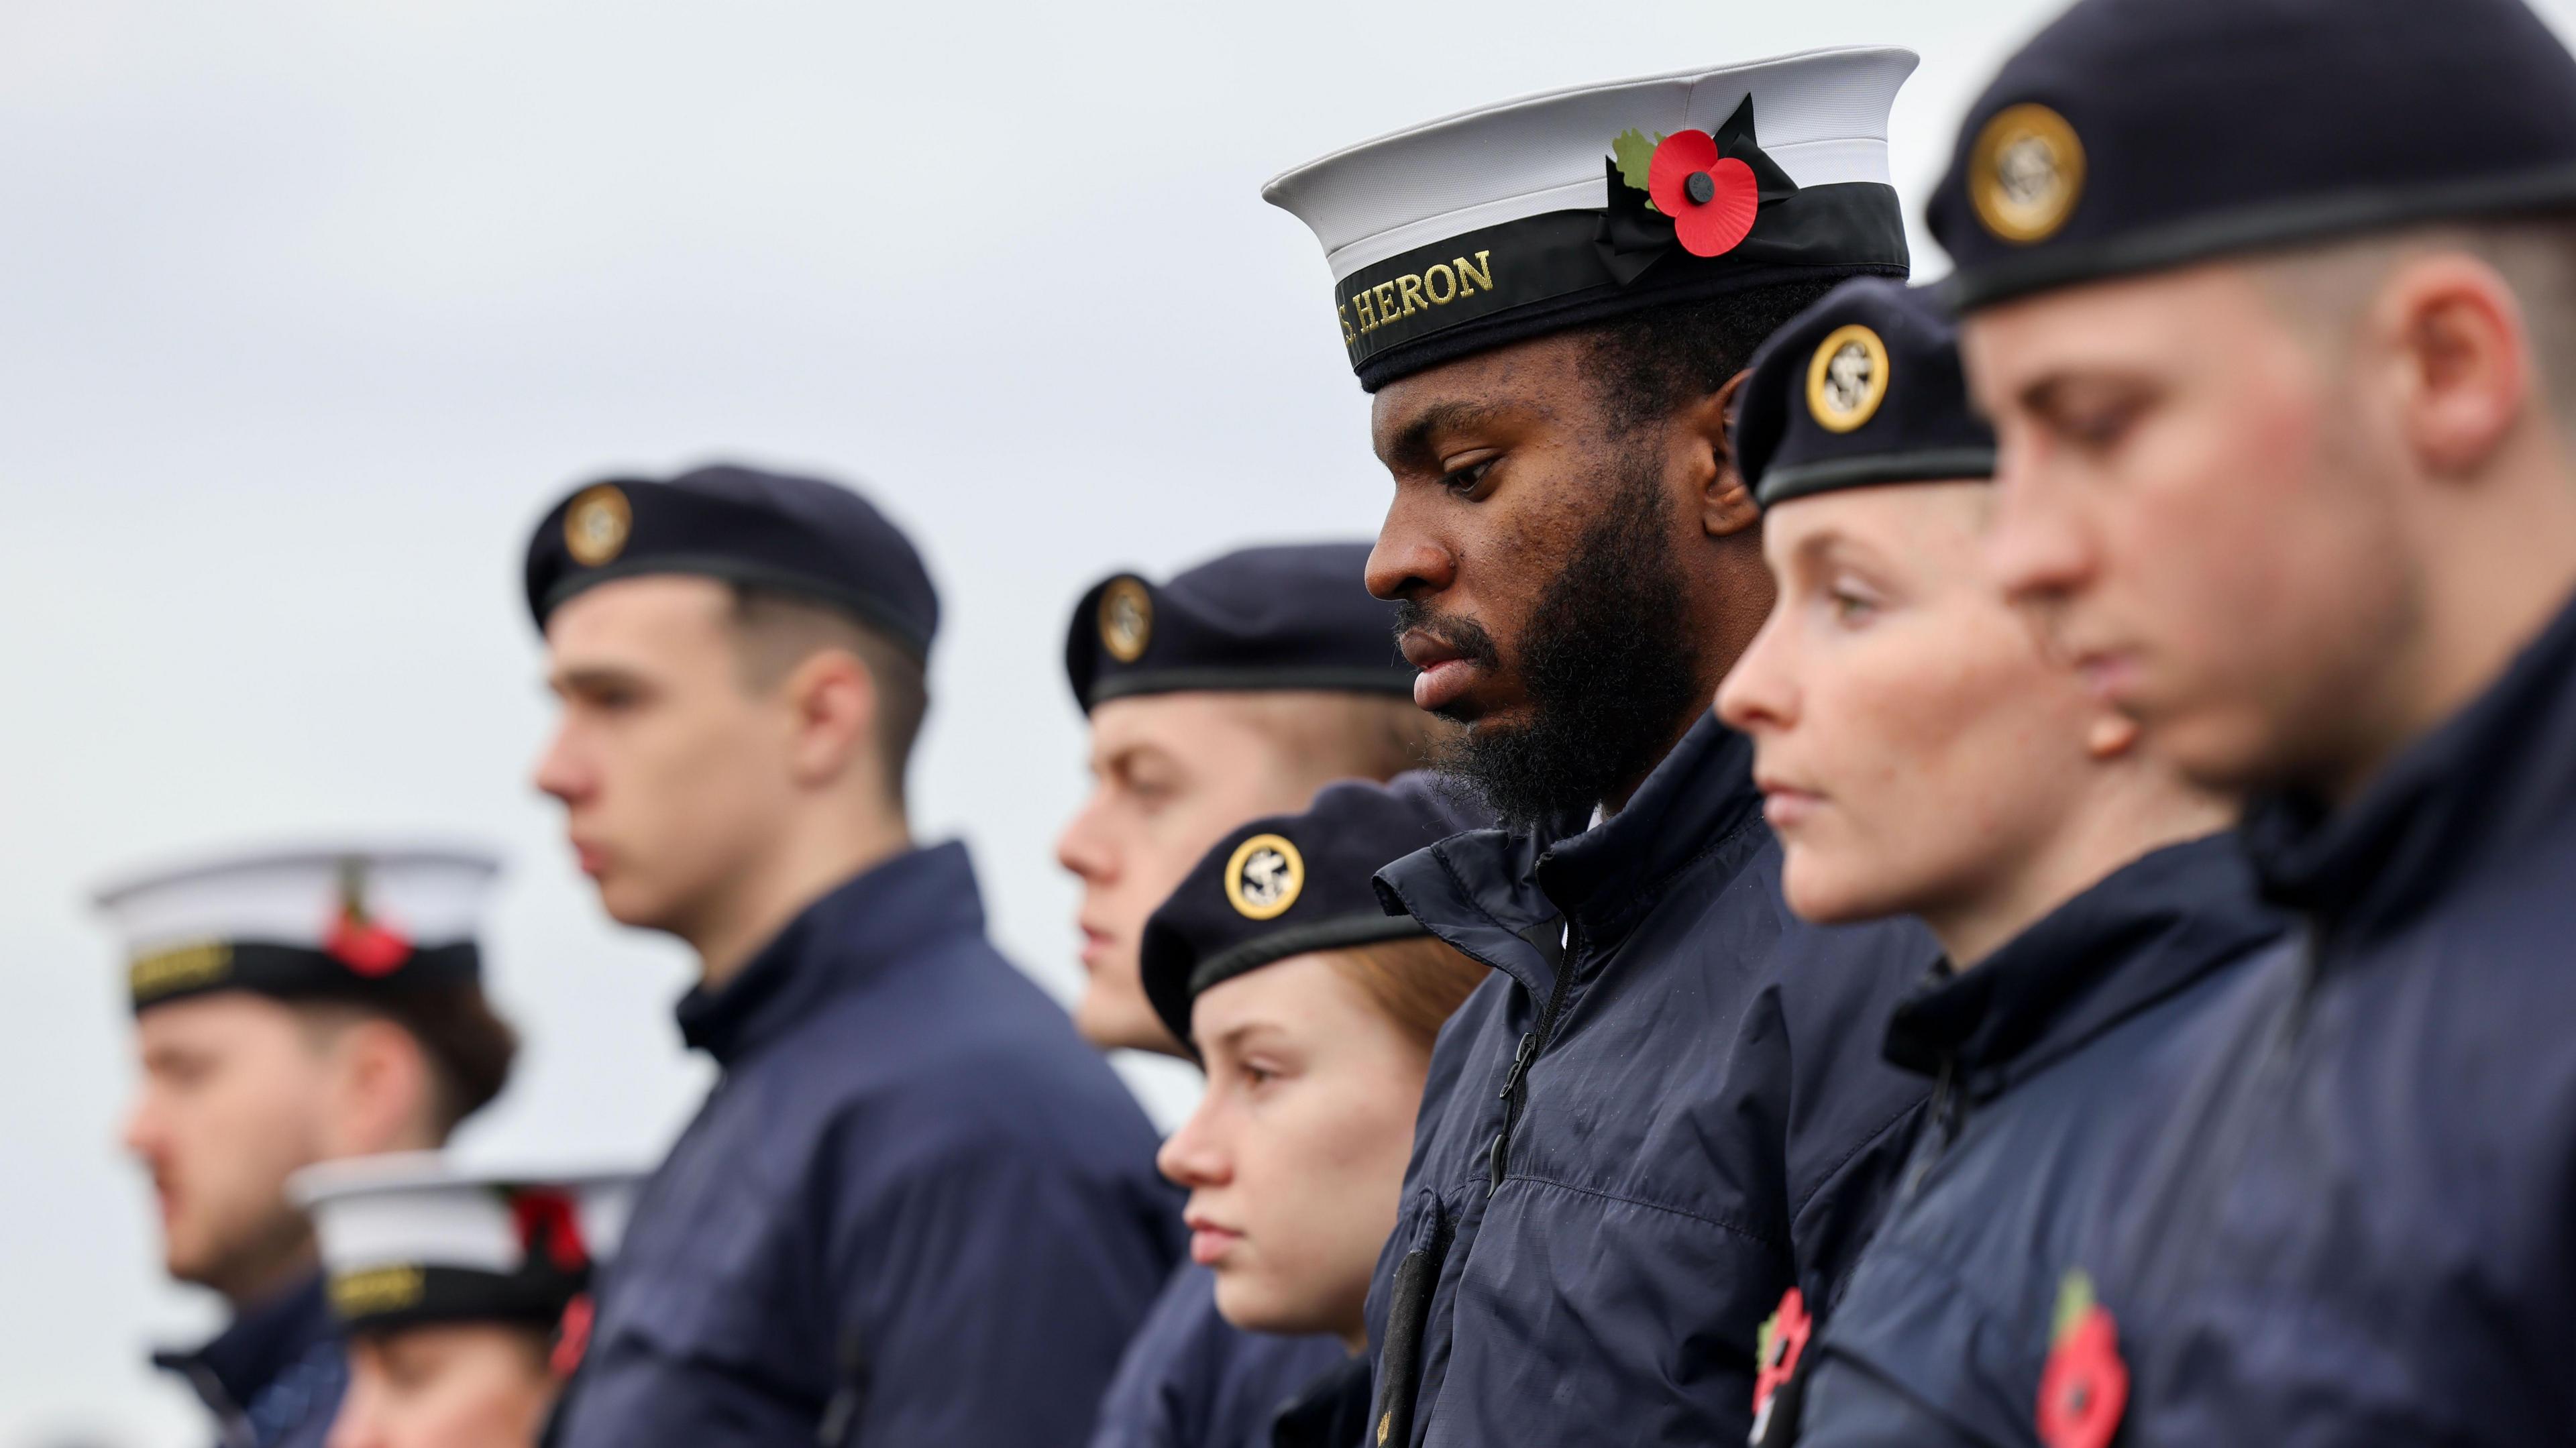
(1701,188)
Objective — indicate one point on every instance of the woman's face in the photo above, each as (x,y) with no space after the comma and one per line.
(1914,749)
(465,1385)
(1295,1157)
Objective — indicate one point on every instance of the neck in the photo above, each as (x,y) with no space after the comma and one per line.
(807,865)
(2501,572)
(2099,836)
(252,1284)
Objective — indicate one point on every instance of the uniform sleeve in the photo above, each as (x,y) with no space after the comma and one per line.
(984,1292)
(1851,1116)
(1158,1398)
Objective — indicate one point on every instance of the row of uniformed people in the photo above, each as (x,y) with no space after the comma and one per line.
(1906,1050)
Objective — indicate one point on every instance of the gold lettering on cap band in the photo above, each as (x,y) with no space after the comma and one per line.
(1847,379)
(1436,285)
(2026,173)
(598,524)
(191,966)
(1264,877)
(375,1291)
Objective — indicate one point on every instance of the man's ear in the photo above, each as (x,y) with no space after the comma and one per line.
(1726,506)
(2462,349)
(380,1091)
(835,704)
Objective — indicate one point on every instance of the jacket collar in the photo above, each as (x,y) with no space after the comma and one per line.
(2138,935)
(262,1342)
(2472,792)
(874,921)
(1499,895)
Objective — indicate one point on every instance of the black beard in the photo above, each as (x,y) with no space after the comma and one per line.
(1609,665)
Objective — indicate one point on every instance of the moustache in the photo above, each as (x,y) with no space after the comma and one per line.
(1462,636)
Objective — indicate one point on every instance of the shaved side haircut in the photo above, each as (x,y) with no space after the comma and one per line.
(774,632)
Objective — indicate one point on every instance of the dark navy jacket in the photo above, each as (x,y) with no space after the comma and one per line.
(2359,1226)
(1191,1379)
(273,1378)
(1639,1134)
(915,1209)
(2040,1053)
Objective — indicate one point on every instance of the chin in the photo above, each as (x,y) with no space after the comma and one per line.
(1822,893)
(2223,751)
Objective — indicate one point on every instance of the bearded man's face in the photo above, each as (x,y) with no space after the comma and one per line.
(1534,550)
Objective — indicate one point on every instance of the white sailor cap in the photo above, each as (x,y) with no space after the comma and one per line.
(351,922)
(1572,207)
(409,1238)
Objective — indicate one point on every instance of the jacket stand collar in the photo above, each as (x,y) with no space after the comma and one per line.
(873,921)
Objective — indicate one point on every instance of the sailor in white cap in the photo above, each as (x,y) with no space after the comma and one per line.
(1671,1109)
(293,1006)
(465,1296)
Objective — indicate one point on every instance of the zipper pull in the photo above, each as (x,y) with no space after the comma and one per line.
(1520,1064)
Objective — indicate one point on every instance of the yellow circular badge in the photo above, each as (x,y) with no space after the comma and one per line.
(1264,877)
(2026,173)
(598,524)
(1848,378)
(1126,619)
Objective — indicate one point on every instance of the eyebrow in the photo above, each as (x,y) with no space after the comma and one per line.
(594,676)
(1234,1037)
(1813,548)
(1413,446)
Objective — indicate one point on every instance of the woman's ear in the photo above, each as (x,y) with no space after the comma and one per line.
(1726,504)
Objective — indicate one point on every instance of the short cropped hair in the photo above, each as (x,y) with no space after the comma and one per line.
(2324,288)
(1652,363)
(776,631)
(1417,982)
(469,1047)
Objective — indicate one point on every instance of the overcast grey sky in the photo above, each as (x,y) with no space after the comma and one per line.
(308,310)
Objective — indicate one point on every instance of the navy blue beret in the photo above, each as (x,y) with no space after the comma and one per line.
(764,530)
(2132,135)
(1284,886)
(1863,387)
(1294,616)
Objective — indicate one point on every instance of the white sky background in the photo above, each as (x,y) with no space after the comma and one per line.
(308,310)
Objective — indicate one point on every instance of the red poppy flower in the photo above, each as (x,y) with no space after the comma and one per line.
(546,1221)
(572,1337)
(1711,198)
(365,946)
(2085,1387)
(1783,1340)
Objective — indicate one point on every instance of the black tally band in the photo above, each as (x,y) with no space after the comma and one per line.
(386,1298)
(292,972)
(1561,269)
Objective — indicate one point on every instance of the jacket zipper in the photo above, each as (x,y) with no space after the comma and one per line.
(1948,1117)
(1515,1092)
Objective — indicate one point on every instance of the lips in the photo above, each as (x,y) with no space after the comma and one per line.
(1786,806)
(1209,1242)
(1096,946)
(1446,671)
